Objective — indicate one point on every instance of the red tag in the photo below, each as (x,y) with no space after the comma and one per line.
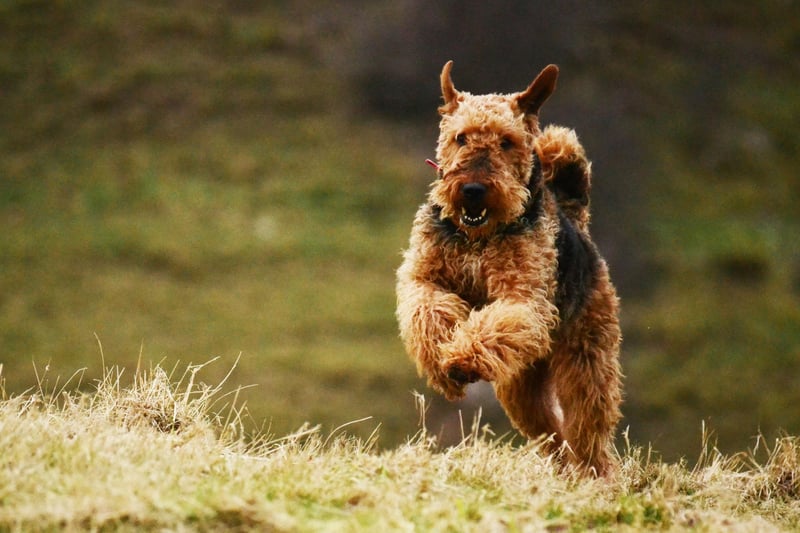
(432,163)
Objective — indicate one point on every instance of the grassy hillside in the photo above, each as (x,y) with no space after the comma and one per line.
(154,456)
(195,179)
(183,182)
(718,336)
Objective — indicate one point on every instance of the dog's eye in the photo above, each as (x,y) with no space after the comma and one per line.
(461,139)
(506,143)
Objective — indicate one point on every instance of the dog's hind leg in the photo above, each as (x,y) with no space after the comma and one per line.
(531,405)
(587,377)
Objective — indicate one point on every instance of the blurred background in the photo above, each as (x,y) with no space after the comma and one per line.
(194,179)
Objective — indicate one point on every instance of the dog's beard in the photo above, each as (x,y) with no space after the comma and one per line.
(505,201)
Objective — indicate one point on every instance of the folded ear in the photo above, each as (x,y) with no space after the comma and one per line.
(449,92)
(530,100)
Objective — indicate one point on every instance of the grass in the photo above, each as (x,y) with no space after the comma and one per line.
(169,451)
(140,245)
(190,181)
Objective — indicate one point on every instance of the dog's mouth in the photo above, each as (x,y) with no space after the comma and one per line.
(473,217)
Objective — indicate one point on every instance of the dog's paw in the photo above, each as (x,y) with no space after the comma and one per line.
(461,374)
(464,371)
(451,389)
(465,361)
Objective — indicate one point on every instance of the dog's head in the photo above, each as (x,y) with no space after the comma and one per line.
(486,152)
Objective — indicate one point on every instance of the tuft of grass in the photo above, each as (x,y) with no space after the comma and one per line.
(169,451)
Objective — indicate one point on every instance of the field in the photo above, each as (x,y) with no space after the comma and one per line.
(182,206)
(169,452)
(198,180)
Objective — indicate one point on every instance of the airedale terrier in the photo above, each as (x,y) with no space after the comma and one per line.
(501,281)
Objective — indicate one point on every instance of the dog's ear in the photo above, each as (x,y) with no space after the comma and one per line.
(530,100)
(449,92)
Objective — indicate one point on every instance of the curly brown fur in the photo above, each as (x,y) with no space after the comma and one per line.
(501,281)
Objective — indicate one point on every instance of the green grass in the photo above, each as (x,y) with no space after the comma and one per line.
(187,181)
(294,271)
(169,451)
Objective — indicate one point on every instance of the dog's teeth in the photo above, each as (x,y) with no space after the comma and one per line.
(474,220)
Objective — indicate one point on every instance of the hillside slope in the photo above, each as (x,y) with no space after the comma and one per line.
(195,179)
(153,456)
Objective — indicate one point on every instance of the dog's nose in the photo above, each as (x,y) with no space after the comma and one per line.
(473,192)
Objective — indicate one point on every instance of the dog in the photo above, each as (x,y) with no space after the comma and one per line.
(501,281)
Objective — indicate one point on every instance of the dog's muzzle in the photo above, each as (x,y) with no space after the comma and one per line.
(473,209)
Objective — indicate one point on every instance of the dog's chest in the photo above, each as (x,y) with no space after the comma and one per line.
(470,279)
(465,271)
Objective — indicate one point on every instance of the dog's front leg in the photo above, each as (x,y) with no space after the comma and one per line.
(496,342)
(427,316)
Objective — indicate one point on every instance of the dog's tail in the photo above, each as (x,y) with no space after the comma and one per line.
(567,172)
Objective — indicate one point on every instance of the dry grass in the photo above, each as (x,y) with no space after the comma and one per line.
(152,455)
